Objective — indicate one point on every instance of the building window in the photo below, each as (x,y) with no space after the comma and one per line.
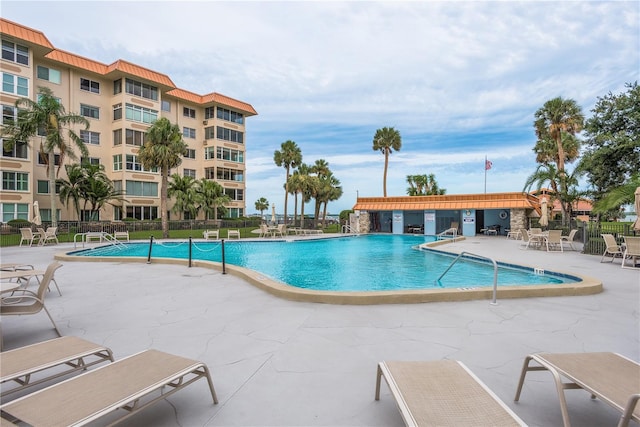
(189,172)
(234,193)
(189,112)
(117,137)
(142,212)
(140,114)
(15,85)
(117,162)
(230,116)
(229,155)
(144,90)
(14,211)
(117,112)
(44,157)
(45,214)
(190,153)
(88,215)
(18,151)
(235,212)
(133,164)
(43,187)
(15,181)
(135,137)
(89,137)
(228,135)
(142,188)
(210,173)
(89,85)
(210,153)
(209,112)
(166,106)
(15,52)
(117,86)
(90,161)
(89,111)
(49,74)
(210,132)
(188,132)
(9,114)
(224,174)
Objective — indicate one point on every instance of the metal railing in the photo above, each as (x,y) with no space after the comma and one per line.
(495,272)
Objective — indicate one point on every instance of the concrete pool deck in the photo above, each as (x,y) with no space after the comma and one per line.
(277,362)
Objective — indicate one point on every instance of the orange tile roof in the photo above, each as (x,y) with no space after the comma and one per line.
(36,37)
(21,32)
(449,202)
(77,61)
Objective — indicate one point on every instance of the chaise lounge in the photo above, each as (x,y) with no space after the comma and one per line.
(130,384)
(610,377)
(443,393)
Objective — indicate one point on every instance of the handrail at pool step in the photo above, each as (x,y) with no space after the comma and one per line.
(495,272)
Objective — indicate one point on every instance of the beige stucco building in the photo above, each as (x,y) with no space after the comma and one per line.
(120,100)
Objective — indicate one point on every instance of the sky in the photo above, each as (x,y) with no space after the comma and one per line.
(460,80)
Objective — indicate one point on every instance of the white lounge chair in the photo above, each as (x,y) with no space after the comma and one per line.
(443,393)
(553,241)
(48,236)
(569,239)
(131,384)
(631,251)
(608,376)
(233,233)
(27,235)
(211,234)
(24,366)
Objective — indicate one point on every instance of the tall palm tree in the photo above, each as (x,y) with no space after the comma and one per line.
(386,140)
(332,190)
(98,189)
(211,197)
(183,190)
(163,149)
(289,156)
(553,120)
(47,118)
(262,205)
(71,189)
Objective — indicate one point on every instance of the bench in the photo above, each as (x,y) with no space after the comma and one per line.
(21,365)
(131,384)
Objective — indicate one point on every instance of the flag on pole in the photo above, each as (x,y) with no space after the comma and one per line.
(487,165)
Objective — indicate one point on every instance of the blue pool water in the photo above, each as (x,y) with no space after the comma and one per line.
(362,263)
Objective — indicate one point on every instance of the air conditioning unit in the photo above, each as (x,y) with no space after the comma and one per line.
(204,142)
(205,122)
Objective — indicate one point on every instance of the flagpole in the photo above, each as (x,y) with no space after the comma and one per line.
(485,174)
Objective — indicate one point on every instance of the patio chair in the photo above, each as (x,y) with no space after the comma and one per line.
(569,239)
(631,251)
(612,247)
(24,302)
(529,240)
(131,384)
(443,393)
(24,367)
(121,235)
(554,240)
(233,233)
(281,230)
(211,234)
(49,235)
(27,235)
(608,376)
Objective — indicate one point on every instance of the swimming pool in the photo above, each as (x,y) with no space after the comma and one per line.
(366,263)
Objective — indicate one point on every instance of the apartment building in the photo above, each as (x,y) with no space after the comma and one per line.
(120,100)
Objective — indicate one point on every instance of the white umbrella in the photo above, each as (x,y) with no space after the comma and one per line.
(273,213)
(37,220)
(544,216)
(636,225)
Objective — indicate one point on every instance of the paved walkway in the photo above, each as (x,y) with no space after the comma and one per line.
(281,363)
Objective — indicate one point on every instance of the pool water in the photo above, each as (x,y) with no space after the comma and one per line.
(361,263)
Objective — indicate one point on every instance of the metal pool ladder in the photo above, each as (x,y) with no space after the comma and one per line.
(495,272)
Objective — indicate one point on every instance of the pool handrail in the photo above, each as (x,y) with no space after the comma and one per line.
(495,272)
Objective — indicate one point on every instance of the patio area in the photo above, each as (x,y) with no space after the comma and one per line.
(276,362)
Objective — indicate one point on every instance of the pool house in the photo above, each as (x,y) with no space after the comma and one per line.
(471,214)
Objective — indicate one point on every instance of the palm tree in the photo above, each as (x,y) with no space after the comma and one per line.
(621,195)
(262,205)
(423,185)
(183,190)
(289,156)
(48,118)
(386,140)
(331,190)
(211,197)
(72,187)
(556,118)
(88,183)
(163,149)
